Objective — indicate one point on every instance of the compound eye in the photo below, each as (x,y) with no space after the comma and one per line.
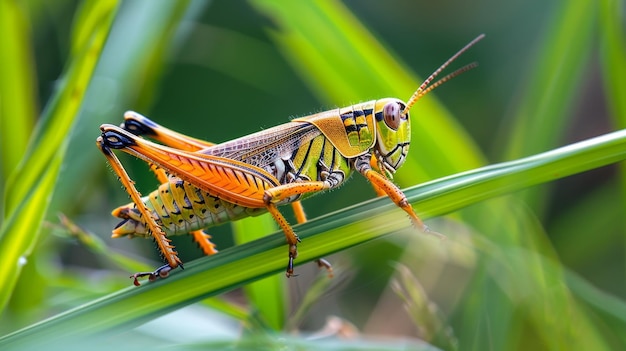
(392,114)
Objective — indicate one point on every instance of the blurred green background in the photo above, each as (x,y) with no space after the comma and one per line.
(542,268)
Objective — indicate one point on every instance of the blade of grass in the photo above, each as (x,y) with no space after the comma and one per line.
(543,302)
(130,69)
(542,115)
(31,184)
(600,301)
(541,119)
(59,114)
(127,64)
(351,226)
(18,104)
(266,295)
(96,245)
(613,57)
(425,314)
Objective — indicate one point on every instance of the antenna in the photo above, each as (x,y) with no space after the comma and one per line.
(425,88)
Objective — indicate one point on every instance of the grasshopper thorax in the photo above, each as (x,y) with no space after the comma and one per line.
(393,134)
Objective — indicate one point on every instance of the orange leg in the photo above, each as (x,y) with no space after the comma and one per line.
(301,218)
(204,241)
(382,185)
(162,241)
(396,195)
(282,192)
(375,163)
(298,211)
(159,173)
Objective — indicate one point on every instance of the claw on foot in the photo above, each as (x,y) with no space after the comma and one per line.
(289,272)
(161,272)
(293,253)
(440,236)
(322,263)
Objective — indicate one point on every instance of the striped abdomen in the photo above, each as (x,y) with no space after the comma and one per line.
(179,208)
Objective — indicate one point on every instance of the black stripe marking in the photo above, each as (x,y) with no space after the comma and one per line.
(347,115)
(199,195)
(352,128)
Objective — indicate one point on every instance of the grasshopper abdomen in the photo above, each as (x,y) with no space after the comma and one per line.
(179,208)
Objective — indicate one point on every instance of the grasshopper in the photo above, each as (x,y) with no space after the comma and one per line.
(205,184)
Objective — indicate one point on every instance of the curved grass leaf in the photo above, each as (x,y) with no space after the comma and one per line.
(614,56)
(249,262)
(130,66)
(31,185)
(17,84)
(544,111)
(543,114)
(267,295)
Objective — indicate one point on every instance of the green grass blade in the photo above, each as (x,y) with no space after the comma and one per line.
(613,57)
(267,295)
(31,185)
(351,226)
(59,114)
(613,62)
(18,232)
(544,111)
(96,245)
(131,66)
(17,84)
(425,314)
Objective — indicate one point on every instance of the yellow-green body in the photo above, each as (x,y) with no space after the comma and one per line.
(320,147)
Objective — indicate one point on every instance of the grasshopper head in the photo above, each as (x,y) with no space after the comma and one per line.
(393,134)
(393,127)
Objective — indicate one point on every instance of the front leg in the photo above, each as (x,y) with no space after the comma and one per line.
(382,185)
